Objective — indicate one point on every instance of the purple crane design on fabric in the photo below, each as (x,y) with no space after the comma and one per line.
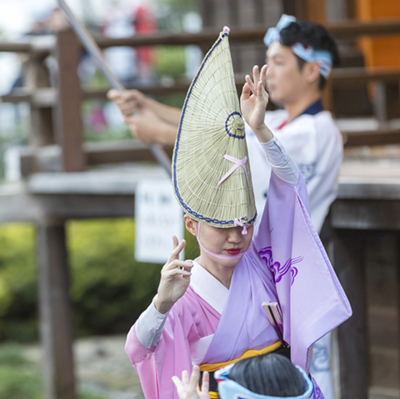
(277,269)
(317,394)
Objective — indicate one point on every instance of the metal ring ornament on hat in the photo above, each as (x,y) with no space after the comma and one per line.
(234,126)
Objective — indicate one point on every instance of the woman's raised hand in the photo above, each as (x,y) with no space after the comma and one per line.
(190,389)
(254,101)
(175,278)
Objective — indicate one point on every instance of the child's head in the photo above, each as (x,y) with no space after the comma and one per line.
(269,375)
(299,57)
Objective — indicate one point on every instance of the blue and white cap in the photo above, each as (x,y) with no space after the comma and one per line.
(307,53)
(229,389)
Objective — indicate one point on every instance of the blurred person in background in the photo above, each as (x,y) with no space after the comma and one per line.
(119,23)
(145,24)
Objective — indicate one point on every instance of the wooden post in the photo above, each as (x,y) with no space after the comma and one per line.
(207,12)
(397,242)
(387,101)
(352,334)
(69,127)
(311,10)
(258,17)
(55,312)
(36,75)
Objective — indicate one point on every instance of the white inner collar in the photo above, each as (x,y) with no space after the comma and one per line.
(208,287)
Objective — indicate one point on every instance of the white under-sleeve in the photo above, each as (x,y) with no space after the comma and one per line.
(150,326)
(281,162)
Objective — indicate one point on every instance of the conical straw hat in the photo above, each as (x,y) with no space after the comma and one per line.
(210,143)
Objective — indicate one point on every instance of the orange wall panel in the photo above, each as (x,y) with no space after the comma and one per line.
(383,51)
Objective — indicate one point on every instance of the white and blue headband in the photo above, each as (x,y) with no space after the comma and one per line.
(307,53)
(229,389)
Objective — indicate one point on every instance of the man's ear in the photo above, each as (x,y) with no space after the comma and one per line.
(312,71)
(191,225)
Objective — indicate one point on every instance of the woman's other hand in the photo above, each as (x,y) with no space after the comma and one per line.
(175,278)
(190,389)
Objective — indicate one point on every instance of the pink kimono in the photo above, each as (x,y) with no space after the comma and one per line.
(287,264)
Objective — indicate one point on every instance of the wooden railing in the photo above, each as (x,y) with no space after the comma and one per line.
(66,97)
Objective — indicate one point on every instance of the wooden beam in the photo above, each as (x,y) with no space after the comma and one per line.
(129,151)
(55,311)
(366,214)
(48,159)
(361,75)
(70,126)
(352,334)
(344,30)
(371,137)
(46,97)
(30,208)
(348,30)
(39,46)
(119,152)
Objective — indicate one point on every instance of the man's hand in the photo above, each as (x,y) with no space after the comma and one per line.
(175,278)
(146,126)
(190,389)
(128,101)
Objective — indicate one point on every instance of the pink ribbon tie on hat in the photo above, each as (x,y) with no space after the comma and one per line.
(240,223)
(238,163)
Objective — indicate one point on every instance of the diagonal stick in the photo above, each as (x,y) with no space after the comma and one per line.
(93,49)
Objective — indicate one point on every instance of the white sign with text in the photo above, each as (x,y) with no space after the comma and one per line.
(157,218)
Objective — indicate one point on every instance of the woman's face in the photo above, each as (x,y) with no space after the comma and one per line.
(227,242)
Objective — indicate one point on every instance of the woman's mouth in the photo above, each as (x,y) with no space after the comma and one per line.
(233,251)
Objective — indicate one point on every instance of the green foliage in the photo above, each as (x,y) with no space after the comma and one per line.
(173,100)
(18,287)
(109,289)
(171,61)
(11,355)
(21,378)
(17,384)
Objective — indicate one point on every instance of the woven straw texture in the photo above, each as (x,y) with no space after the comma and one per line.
(211,126)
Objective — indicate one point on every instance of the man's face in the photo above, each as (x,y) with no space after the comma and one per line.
(285,82)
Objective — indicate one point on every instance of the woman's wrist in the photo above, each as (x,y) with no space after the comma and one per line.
(263,134)
(162,306)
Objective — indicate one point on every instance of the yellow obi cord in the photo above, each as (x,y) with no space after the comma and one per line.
(210,367)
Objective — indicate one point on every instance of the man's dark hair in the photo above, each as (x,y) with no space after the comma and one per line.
(271,374)
(310,34)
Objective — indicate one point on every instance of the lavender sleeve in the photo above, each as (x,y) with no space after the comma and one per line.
(281,162)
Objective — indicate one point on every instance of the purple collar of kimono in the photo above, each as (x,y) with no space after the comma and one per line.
(218,256)
(229,389)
